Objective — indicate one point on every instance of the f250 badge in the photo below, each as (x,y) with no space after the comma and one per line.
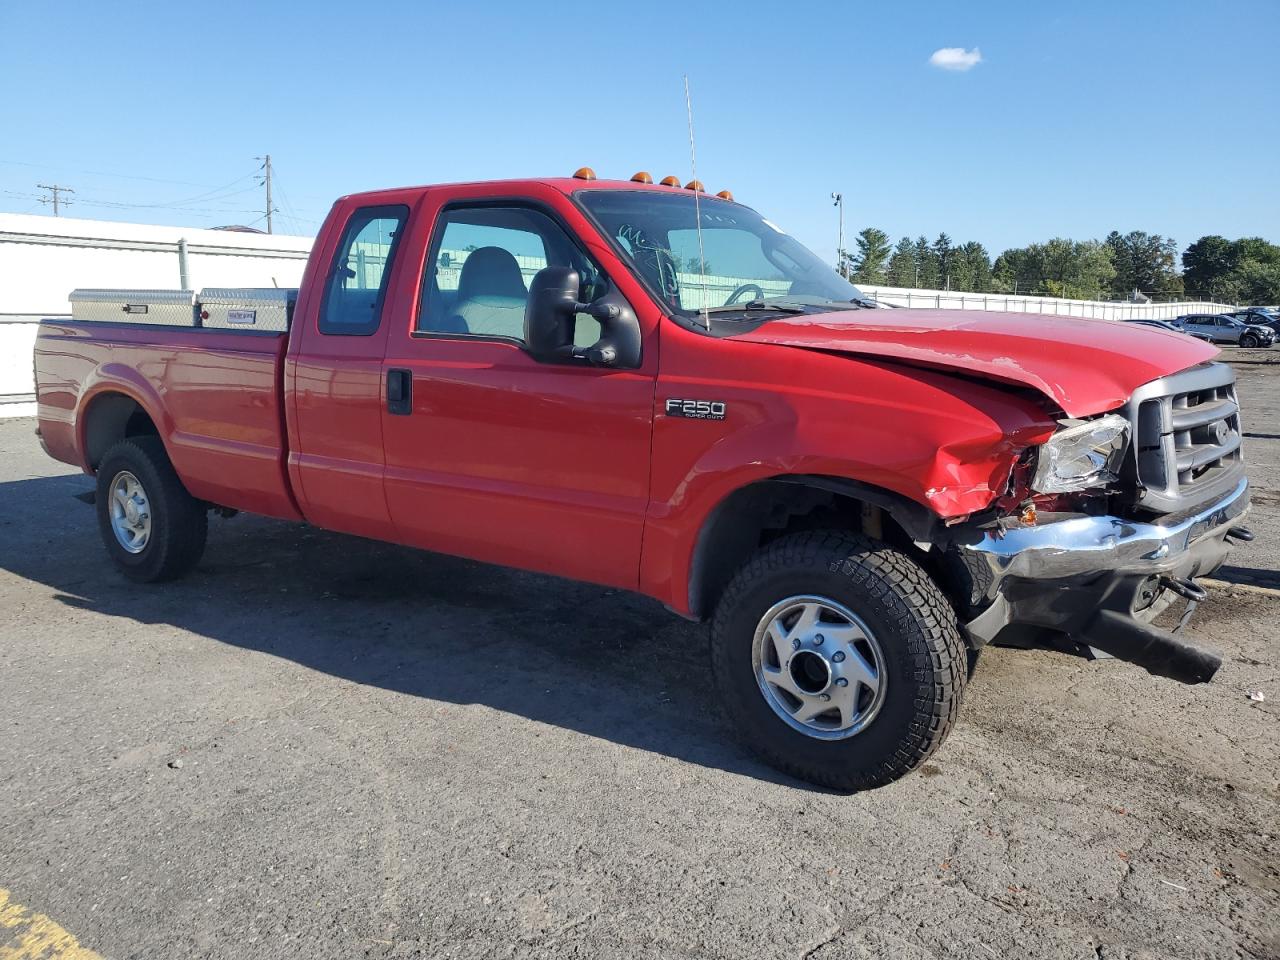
(695,409)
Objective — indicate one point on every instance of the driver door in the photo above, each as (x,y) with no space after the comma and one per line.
(491,454)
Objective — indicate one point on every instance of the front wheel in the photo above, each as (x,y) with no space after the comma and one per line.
(1248,341)
(152,527)
(838,659)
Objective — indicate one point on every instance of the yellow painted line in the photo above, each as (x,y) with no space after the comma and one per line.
(27,935)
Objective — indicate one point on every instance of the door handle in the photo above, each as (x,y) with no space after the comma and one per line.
(400,392)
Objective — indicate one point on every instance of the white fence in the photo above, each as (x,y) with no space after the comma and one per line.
(42,259)
(1053,306)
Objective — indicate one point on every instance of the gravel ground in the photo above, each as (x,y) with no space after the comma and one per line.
(318,746)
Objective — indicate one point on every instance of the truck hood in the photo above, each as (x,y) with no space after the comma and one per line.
(1085,366)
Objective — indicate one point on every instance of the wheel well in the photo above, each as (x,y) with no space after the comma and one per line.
(755,515)
(113,417)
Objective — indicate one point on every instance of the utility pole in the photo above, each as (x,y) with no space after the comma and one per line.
(838,199)
(266,180)
(54,189)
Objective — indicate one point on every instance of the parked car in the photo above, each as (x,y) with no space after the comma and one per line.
(857,502)
(1225,328)
(1259,316)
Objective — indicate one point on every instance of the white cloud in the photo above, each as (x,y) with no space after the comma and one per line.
(956,58)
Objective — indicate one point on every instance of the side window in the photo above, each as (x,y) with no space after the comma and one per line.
(482,260)
(357,283)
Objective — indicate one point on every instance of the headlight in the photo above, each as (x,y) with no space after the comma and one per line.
(1082,456)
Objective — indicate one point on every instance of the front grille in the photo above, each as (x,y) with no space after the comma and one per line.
(1186,438)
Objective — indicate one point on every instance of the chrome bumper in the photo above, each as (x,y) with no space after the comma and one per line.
(1084,545)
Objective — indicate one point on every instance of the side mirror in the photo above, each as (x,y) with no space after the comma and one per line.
(550,315)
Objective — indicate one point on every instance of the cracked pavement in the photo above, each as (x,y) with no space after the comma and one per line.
(394,754)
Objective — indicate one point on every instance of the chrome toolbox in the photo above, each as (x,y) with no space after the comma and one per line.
(169,308)
(265,309)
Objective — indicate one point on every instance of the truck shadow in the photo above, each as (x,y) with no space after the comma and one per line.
(601,662)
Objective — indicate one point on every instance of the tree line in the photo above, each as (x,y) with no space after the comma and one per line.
(1245,271)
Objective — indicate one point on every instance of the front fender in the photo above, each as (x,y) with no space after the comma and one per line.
(940,442)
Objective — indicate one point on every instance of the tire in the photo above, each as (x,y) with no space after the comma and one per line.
(162,535)
(920,657)
(1248,341)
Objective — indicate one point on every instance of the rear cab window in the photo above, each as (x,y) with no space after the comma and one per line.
(356,287)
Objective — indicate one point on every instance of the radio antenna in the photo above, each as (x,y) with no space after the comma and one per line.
(697,208)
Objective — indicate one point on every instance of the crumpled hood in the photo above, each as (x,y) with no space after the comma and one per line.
(1085,366)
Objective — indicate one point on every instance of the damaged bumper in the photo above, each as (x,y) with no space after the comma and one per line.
(1094,578)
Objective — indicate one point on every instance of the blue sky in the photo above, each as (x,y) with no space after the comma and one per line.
(1080,118)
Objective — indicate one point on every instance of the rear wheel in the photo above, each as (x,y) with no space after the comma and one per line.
(152,527)
(838,659)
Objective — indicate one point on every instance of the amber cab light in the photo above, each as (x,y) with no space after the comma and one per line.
(725,195)
(584,173)
(641,177)
(695,185)
(671,181)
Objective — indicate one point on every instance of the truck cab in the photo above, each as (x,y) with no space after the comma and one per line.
(649,387)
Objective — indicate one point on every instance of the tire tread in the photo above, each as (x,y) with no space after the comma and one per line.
(181,522)
(923,618)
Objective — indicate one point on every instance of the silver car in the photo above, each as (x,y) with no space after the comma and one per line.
(1222,328)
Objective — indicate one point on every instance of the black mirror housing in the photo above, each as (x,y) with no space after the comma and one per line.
(550,316)
(549,312)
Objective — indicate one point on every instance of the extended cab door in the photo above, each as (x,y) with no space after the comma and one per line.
(334,368)
(491,454)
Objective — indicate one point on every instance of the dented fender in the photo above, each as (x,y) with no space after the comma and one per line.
(945,443)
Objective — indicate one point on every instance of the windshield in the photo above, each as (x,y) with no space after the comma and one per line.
(744,259)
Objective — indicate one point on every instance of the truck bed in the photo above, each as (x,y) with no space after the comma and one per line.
(215,396)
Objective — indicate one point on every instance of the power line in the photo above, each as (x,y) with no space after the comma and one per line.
(54,189)
(207,196)
(289,210)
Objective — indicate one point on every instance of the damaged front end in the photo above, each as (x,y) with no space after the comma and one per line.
(1103,533)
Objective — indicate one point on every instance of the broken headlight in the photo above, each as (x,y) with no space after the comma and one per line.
(1082,454)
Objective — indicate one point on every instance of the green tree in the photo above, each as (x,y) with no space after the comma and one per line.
(872,256)
(1255,248)
(971,268)
(1206,264)
(1075,269)
(1016,271)
(1144,262)
(926,266)
(1233,271)
(902,265)
(1258,282)
(943,254)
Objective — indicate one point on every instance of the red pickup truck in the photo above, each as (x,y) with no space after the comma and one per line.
(649,387)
